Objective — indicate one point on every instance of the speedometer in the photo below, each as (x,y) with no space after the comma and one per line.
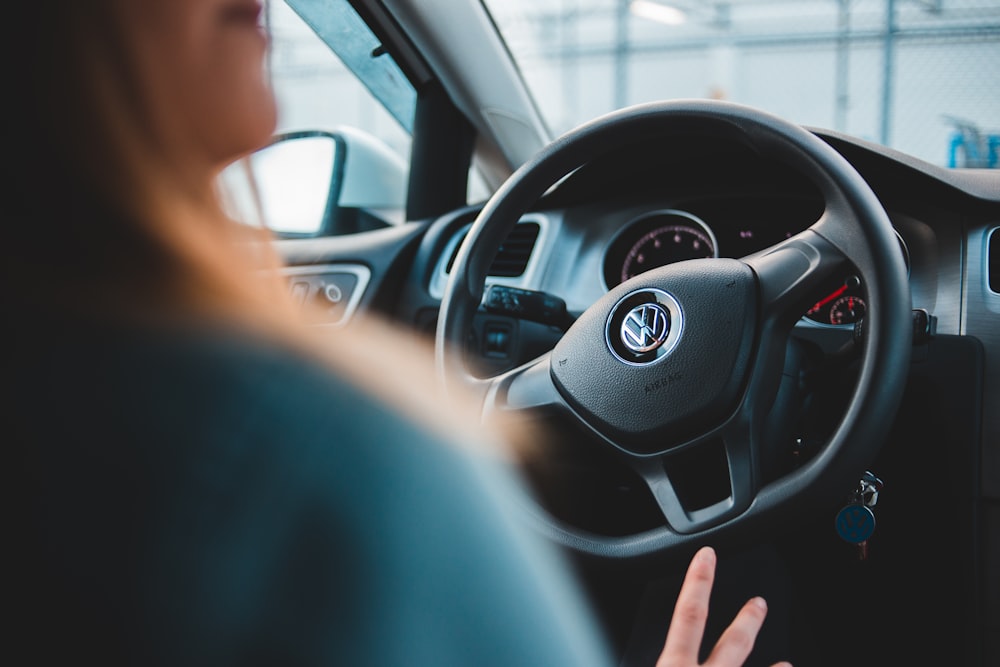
(844,301)
(657,239)
(847,310)
(843,305)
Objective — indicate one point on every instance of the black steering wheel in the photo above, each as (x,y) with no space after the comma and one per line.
(694,351)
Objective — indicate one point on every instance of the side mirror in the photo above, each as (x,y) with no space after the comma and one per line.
(316,183)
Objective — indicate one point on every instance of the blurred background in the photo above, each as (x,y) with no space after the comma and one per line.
(921,76)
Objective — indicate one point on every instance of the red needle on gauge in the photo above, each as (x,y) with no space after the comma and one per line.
(843,288)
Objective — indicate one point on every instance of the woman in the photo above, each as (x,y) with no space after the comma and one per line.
(195,479)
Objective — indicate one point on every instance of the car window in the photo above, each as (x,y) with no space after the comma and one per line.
(920,76)
(349,109)
(328,71)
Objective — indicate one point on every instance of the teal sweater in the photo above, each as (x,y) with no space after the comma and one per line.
(204,499)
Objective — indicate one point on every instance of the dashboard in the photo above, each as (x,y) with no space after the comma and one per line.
(640,208)
(580,252)
(643,208)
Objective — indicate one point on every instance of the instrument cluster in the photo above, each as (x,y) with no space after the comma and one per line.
(664,236)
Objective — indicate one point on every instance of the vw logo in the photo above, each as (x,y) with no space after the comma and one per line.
(645,328)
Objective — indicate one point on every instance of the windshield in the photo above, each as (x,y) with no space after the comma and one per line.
(921,76)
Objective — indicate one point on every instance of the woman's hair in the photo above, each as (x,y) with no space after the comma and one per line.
(99,224)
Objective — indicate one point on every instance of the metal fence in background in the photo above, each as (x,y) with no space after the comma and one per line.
(922,76)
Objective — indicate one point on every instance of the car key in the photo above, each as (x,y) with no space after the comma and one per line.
(868,490)
(855,523)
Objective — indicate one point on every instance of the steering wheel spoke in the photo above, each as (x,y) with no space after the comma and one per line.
(526,387)
(738,474)
(788,272)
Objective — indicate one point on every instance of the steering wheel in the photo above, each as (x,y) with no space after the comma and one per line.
(693,352)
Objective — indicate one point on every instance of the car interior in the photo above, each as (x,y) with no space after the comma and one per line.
(732,328)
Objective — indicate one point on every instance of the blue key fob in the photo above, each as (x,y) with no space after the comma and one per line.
(855,523)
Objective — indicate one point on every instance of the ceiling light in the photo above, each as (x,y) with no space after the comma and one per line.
(654,11)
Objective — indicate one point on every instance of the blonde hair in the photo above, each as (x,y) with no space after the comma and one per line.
(137,241)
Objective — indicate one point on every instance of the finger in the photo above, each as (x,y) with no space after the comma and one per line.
(737,641)
(690,611)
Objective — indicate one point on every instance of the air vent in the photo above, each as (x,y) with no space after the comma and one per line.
(993,267)
(514,253)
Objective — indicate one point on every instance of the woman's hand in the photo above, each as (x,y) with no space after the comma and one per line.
(691,612)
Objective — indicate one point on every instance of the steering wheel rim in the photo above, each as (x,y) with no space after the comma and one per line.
(854,228)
